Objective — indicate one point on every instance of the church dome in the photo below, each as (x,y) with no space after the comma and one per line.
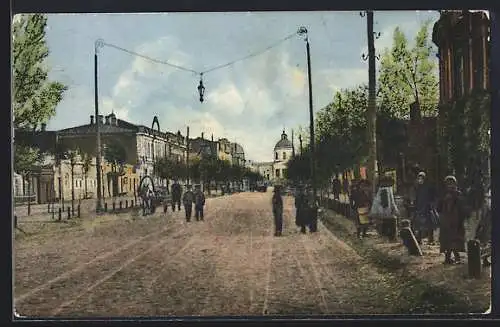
(283,143)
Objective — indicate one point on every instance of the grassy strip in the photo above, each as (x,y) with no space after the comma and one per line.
(408,294)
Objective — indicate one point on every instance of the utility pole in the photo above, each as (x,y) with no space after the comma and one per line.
(372,106)
(98,44)
(303,31)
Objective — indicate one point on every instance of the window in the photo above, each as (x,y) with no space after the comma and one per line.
(284,155)
(276,156)
(277,173)
(284,171)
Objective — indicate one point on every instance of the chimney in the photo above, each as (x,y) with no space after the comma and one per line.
(92,120)
(107,120)
(44,127)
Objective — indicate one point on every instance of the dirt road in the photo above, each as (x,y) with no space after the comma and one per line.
(229,264)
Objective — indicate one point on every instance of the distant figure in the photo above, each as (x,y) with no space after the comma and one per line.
(277,202)
(336,188)
(345,186)
(176,195)
(424,203)
(187,200)
(301,209)
(199,202)
(453,212)
(362,200)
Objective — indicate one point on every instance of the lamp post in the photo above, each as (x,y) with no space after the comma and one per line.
(303,31)
(98,44)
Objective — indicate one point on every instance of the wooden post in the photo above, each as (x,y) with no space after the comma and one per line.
(69,212)
(114,206)
(78,210)
(121,205)
(126,204)
(474,258)
(105,207)
(59,215)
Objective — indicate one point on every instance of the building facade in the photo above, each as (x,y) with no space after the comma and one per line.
(463,40)
(282,153)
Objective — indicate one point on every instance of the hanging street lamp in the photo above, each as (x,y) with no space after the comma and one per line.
(201,88)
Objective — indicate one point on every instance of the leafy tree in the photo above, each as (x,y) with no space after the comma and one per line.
(409,75)
(116,155)
(86,165)
(34,97)
(26,159)
(73,155)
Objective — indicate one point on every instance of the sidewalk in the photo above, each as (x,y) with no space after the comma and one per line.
(428,269)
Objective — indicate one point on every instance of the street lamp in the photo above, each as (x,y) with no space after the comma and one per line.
(98,44)
(201,88)
(302,31)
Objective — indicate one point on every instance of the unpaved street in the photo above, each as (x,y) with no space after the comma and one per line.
(229,264)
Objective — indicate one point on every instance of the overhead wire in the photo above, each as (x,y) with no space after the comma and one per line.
(164,62)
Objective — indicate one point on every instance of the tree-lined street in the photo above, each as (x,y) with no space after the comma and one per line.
(230,264)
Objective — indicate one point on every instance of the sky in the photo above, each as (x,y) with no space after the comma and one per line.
(249,102)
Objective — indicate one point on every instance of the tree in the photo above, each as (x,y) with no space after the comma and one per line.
(409,75)
(116,155)
(73,156)
(26,159)
(86,165)
(34,97)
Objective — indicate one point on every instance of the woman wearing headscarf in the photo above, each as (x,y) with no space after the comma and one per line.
(453,212)
(277,202)
(362,199)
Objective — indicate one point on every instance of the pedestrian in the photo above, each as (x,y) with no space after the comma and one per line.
(176,195)
(336,188)
(453,212)
(345,186)
(384,209)
(423,223)
(301,209)
(199,202)
(362,200)
(312,211)
(277,202)
(187,200)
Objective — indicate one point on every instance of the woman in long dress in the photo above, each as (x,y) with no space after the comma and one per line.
(453,212)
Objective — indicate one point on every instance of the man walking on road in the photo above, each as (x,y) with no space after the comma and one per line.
(176,195)
(199,202)
(277,202)
(187,200)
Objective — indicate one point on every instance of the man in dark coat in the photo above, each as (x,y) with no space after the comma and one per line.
(187,200)
(199,203)
(301,209)
(277,202)
(452,213)
(424,203)
(336,188)
(176,195)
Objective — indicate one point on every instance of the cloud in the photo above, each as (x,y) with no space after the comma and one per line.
(248,102)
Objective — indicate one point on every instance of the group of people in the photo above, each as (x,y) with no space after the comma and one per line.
(189,199)
(306,215)
(447,211)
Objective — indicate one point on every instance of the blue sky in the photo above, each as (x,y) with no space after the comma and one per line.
(249,102)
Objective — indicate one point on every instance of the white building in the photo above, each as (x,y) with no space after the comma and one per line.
(276,170)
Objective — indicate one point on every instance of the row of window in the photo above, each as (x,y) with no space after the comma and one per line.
(276,156)
(280,173)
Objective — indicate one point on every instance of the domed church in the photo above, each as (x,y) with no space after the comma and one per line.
(283,151)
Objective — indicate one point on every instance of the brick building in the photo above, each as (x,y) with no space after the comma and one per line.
(462,38)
